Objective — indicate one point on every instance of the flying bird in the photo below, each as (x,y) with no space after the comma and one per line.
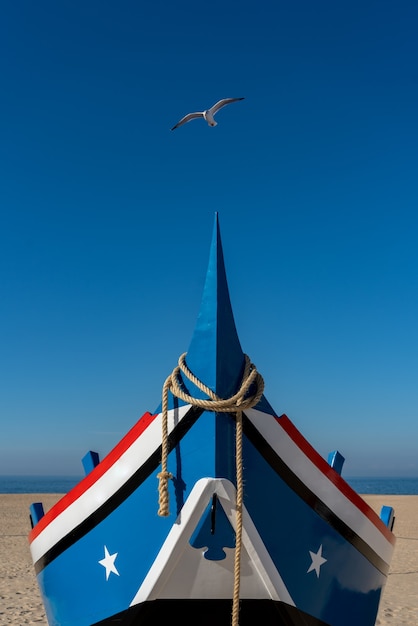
(207,115)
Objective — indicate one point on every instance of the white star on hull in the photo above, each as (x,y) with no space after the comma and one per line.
(317,561)
(109,563)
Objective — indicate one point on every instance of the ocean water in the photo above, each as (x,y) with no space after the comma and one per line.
(385,486)
(37,484)
(63,484)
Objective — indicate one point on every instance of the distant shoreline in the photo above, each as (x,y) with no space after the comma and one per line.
(15,484)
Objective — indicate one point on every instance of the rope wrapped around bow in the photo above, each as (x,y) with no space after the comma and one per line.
(242,400)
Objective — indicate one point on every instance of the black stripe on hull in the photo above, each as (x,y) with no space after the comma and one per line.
(299,487)
(121,495)
(153,462)
(211,613)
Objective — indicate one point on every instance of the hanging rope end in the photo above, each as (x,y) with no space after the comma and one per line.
(163,478)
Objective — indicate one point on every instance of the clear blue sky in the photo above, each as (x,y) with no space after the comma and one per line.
(106,216)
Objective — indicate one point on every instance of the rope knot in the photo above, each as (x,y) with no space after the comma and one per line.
(248,395)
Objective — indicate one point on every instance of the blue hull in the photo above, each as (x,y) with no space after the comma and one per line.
(313,553)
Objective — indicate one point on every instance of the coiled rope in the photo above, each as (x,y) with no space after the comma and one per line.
(242,400)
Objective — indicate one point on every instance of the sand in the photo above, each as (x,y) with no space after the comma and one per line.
(399,604)
(20,600)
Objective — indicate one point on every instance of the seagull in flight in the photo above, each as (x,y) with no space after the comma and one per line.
(207,115)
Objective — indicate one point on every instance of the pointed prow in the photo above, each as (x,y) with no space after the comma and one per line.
(215,355)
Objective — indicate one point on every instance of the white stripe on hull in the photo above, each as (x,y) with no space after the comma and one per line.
(108,484)
(319,484)
(149,440)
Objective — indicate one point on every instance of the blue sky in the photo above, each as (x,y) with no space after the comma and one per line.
(106,216)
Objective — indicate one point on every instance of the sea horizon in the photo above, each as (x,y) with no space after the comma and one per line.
(386,485)
(22,483)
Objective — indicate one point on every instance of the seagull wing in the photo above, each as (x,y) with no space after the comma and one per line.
(187,118)
(222,103)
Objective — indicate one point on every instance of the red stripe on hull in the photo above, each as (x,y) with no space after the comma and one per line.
(89,480)
(333,476)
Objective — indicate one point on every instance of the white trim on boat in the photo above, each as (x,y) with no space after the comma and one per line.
(108,484)
(202,578)
(320,485)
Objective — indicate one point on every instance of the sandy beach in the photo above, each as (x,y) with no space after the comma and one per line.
(20,601)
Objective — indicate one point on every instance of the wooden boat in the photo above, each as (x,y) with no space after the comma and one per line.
(252,525)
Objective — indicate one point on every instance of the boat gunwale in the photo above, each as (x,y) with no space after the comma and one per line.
(89,481)
(334,477)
